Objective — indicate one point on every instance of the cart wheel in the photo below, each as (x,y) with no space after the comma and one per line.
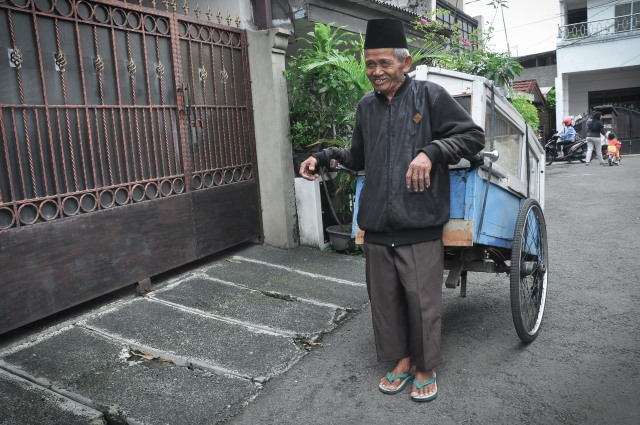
(529,270)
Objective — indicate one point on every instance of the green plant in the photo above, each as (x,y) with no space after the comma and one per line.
(527,109)
(469,55)
(322,96)
(501,68)
(551,100)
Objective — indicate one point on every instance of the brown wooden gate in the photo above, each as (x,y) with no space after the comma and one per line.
(126,149)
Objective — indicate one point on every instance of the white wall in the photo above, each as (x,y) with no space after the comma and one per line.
(600,9)
(599,63)
(582,84)
(599,55)
(273,149)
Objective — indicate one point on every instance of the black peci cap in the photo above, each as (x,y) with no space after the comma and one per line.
(385,33)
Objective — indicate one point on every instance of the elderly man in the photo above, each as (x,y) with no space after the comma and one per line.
(406,133)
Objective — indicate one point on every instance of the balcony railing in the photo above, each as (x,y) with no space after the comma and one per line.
(611,26)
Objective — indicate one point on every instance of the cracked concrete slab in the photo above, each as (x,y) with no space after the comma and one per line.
(189,353)
(148,391)
(19,396)
(267,277)
(205,340)
(311,260)
(284,315)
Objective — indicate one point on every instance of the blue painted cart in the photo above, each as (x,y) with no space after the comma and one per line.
(497,223)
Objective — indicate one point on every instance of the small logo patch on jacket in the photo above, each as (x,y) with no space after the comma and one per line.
(417,118)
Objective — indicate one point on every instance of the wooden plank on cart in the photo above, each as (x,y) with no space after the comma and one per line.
(458,233)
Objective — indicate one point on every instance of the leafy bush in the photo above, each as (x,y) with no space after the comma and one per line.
(527,109)
(322,95)
(551,100)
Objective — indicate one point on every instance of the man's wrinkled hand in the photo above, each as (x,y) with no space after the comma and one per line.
(308,168)
(417,177)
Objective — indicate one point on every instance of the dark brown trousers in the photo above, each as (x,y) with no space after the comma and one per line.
(405,289)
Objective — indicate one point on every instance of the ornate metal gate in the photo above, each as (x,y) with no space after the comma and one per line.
(126,148)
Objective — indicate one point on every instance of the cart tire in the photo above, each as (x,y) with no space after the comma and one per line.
(529,270)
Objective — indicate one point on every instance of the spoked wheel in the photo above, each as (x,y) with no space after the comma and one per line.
(529,270)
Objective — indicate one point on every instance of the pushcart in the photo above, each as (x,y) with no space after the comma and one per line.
(497,223)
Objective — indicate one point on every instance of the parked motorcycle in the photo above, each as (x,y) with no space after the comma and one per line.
(575,151)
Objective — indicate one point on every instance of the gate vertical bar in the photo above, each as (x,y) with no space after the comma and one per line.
(187,156)
(60,60)
(86,184)
(249,111)
(236,107)
(45,101)
(149,100)
(98,63)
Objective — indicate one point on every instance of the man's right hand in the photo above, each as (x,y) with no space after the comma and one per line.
(308,168)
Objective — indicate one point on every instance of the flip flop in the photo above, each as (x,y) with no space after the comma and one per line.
(419,386)
(406,377)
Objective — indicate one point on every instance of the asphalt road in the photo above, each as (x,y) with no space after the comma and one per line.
(582,369)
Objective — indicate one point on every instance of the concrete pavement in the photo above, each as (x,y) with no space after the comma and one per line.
(195,350)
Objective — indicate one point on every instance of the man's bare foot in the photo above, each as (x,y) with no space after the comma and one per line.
(428,390)
(403,366)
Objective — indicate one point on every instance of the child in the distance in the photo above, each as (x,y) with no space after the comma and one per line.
(614,146)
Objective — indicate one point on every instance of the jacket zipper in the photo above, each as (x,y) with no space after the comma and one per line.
(388,164)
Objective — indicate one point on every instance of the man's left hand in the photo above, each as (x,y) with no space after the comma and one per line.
(417,176)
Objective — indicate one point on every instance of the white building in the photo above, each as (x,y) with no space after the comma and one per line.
(598,56)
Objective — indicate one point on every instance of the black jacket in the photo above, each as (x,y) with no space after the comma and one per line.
(595,128)
(388,135)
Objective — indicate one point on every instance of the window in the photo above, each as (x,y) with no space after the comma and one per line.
(577,16)
(577,23)
(627,16)
(508,139)
(467,25)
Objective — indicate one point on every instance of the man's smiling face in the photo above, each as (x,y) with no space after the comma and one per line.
(385,70)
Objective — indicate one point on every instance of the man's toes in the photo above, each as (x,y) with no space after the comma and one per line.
(424,391)
(387,385)
(428,390)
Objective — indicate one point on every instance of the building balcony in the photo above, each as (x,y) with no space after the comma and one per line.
(601,30)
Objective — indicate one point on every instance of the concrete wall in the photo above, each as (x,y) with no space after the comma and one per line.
(606,61)
(309,203)
(271,118)
(581,84)
(618,53)
(584,68)
(545,75)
